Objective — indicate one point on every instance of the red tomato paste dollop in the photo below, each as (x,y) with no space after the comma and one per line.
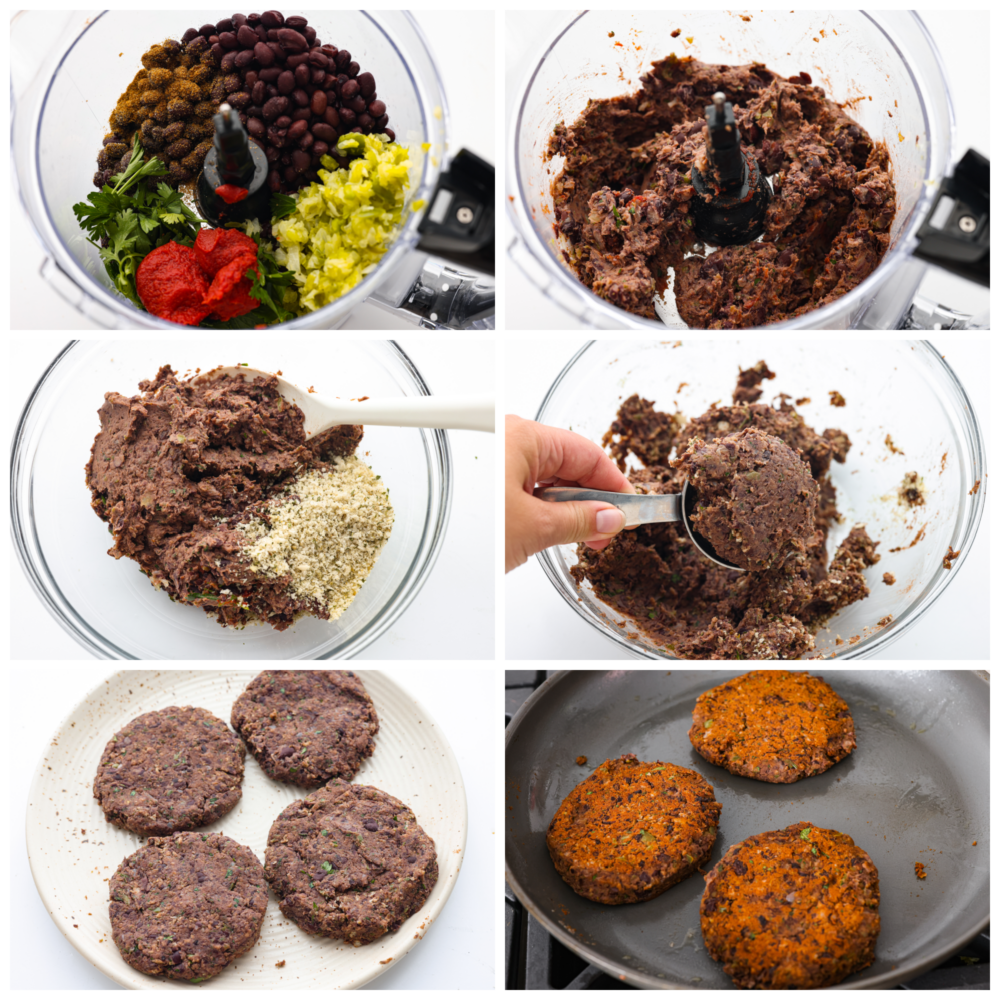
(185,285)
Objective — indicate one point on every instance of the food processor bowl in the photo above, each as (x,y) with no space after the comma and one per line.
(109,606)
(900,389)
(62,115)
(883,66)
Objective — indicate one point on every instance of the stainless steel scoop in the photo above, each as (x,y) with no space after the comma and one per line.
(645,508)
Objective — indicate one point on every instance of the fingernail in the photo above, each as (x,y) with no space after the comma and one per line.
(609,521)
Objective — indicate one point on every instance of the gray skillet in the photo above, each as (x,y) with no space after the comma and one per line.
(916,788)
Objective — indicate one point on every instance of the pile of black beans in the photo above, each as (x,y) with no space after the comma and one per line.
(295,95)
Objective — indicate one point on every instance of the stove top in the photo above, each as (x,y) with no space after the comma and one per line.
(537,961)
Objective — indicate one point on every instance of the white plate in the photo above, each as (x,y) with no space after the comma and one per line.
(71,868)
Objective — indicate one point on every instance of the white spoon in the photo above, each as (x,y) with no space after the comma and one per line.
(472,413)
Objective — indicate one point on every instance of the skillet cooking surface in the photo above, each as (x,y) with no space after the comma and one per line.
(916,788)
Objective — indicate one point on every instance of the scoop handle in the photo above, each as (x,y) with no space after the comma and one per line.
(471,413)
(638,508)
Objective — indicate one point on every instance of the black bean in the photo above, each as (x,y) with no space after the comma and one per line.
(380,123)
(240,100)
(300,97)
(302,75)
(272,90)
(272,19)
(207,30)
(297,129)
(331,96)
(301,115)
(331,116)
(318,76)
(218,51)
(282,122)
(229,62)
(342,78)
(279,52)
(272,153)
(367,84)
(297,59)
(317,58)
(350,89)
(226,24)
(357,105)
(352,69)
(291,174)
(253,19)
(247,37)
(310,34)
(179,149)
(275,107)
(272,34)
(274,180)
(276,137)
(189,35)
(256,128)
(392,135)
(305,140)
(366,121)
(343,59)
(263,54)
(319,148)
(213,39)
(330,81)
(325,132)
(259,92)
(244,58)
(300,160)
(271,74)
(292,40)
(238,21)
(261,32)
(376,109)
(297,22)
(318,103)
(228,41)
(286,82)
(197,45)
(330,50)
(286,158)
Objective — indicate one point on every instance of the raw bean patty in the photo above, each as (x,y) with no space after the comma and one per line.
(349,862)
(792,909)
(185,906)
(174,769)
(773,725)
(633,829)
(307,726)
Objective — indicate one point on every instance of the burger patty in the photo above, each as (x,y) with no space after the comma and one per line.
(792,909)
(773,725)
(633,829)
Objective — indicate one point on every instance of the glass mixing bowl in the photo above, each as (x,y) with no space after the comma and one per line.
(884,63)
(897,388)
(108,605)
(62,117)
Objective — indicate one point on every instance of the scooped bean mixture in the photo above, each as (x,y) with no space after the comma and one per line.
(337,177)
(211,486)
(622,198)
(693,607)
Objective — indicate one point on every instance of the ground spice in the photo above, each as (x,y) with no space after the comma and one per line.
(919,870)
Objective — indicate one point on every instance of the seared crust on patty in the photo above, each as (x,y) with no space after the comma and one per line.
(633,829)
(792,909)
(170,770)
(185,906)
(307,726)
(773,725)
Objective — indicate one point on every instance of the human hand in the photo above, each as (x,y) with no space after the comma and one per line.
(536,454)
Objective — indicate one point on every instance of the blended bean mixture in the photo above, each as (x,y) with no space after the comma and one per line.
(623,195)
(691,606)
(211,486)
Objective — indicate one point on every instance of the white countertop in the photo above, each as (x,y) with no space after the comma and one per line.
(463,579)
(456,38)
(458,949)
(540,625)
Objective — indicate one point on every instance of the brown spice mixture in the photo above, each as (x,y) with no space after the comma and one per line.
(623,195)
(692,607)
(773,725)
(805,894)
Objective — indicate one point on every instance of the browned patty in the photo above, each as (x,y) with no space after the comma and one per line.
(773,725)
(792,909)
(633,829)
(185,906)
(307,726)
(174,769)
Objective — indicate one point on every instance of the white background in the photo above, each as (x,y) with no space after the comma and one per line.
(963,40)
(541,625)
(462,44)
(457,950)
(463,579)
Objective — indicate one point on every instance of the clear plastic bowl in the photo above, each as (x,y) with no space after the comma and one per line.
(63,115)
(898,388)
(108,605)
(884,62)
